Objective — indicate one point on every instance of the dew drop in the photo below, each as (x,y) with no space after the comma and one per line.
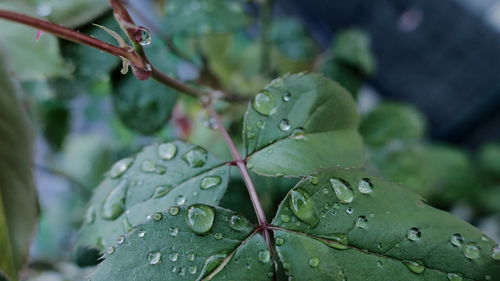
(161,191)
(264,256)
(174,210)
(284,125)
(210,181)
(313,262)
(285,218)
(414,234)
(90,215)
(167,151)
(173,231)
(149,166)
(379,264)
(314,180)
(190,256)
(302,207)
(114,204)
(365,186)
(471,251)
(457,240)
(454,277)
(141,233)
(362,222)
(238,223)
(298,134)
(218,236)
(264,103)
(287,96)
(342,190)
(495,253)
(200,218)
(180,200)
(173,256)
(143,36)
(192,269)
(127,227)
(196,157)
(110,250)
(154,258)
(349,211)
(414,267)
(157,216)
(279,241)
(120,167)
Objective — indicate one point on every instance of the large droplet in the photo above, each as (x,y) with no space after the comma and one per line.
(342,190)
(238,223)
(114,204)
(154,258)
(287,96)
(362,222)
(279,241)
(454,277)
(200,218)
(149,166)
(264,103)
(180,200)
(414,267)
(456,240)
(284,125)
(90,215)
(471,251)
(120,167)
(143,36)
(495,253)
(313,262)
(414,234)
(365,186)
(173,256)
(264,256)
(167,151)
(161,191)
(210,181)
(338,241)
(302,207)
(196,157)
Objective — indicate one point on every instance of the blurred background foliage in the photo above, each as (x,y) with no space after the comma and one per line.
(88,115)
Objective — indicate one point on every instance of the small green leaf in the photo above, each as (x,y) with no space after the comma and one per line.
(353,48)
(18,206)
(390,122)
(299,124)
(385,232)
(169,249)
(71,13)
(489,156)
(137,187)
(56,118)
(195,17)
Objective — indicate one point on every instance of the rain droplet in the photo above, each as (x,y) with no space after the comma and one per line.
(303,207)
(314,180)
(141,233)
(342,190)
(264,103)
(457,240)
(210,181)
(314,262)
(287,96)
(471,251)
(454,277)
(260,124)
(285,218)
(173,231)
(379,264)
(238,223)
(110,250)
(157,216)
(196,157)
(192,269)
(173,256)
(349,211)
(200,218)
(218,236)
(90,215)
(143,36)
(174,210)
(365,186)
(298,134)
(362,222)
(120,167)
(120,239)
(264,256)
(127,227)
(167,151)
(279,241)
(114,204)
(161,191)
(495,253)
(414,234)
(190,256)
(284,125)
(180,200)
(414,267)
(154,258)
(149,166)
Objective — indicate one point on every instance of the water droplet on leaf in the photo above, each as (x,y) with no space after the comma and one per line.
(120,239)
(237,223)
(414,267)
(90,215)
(362,222)
(365,186)
(454,277)
(154,258)
(161,191)
(196,157)
(120,167)
(114,204)
(174,210)
(264,103)
(302,207)
(173,256)
(287,96)
(279,241)
(180,200)
(157,216)
(200,218)
(173,231)
(284,125)
(342,190)
(471,251)
(264,256)
(413,234)
(495,253)
(110,250)
(210,181)
(314,262)
(167,151)
(456,240)
(141,233)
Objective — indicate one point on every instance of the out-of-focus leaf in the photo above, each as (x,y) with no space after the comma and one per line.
(70,13)
(489,158)
(346,76)
(195,17)
(199,242)
(56,118)
(392,122)
(347,225)
(18,209)
(299,124)
(30,59)
(159,176)
(352,47)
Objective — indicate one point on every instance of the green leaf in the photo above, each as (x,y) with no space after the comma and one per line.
(30,59)
(18,206)
(345,75)
(167,248)
(390,122)
(56,118)
(299,124)
(71,13)
(159,176)
(353,48)
(488,158)
(195,17)
(343,224)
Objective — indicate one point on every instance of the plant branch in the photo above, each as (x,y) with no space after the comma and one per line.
(176,84)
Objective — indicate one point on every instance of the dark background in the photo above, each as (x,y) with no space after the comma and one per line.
(443,56)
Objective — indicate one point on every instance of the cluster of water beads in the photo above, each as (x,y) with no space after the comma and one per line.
(195,157)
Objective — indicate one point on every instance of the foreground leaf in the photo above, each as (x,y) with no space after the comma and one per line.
(170,247)
(156,178)
(18,206)
(299,124)
(346,225)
